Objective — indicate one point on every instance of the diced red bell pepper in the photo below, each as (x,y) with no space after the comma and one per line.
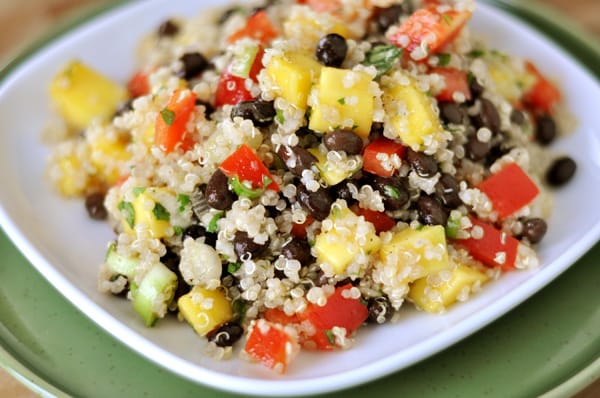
(380,220)
(231,90)
(258,27)
(246,166)
(339,311)
(494,249)
(276,315)
(299,230)
(377,153)
(171,123)
(543,96)
(456,82)
(139,84)
(510,189)
(270,344)
(430,28)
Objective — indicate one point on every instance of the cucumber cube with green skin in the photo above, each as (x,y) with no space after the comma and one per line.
(119,264)
(153,294)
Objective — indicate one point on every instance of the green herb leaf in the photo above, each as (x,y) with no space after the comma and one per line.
(476,53)
(444,59)
(160,213)
(342,101)
(233,267)
(183,201)
(127,208)
(382,57)
(137,191)
(239,308)
(391,191)
(279,116)
(242,189)
(168,116)
(178,230)
(447,18)
(452,227)
(212,225)
(330,336)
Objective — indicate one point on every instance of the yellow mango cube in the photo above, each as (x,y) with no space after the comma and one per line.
(147,208)
(344,100)
(72,179)
(205,309)
(108,154)
(423,249)
(434,295)
(294,75)
(81,94)
(330,172)
(412,113)
(309,30)
(349,236)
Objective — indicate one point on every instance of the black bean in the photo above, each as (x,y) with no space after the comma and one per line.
(124,108)
(217,192)
(331,50)
(447,191)
(226,334)
(260,112)
(171,260)
(342,191)
(452,112)
(424,165)
(168,29)
(298,249)
(193,64)
(94,204)
(343,140)
(534,229)
(476,150)
(196,231)
(431,211)
(386,17)
(393,190)
(317,203)
(517,117)
(475,87)
(380,310)
(376,131)
(296,158)
(545,131)
(561,171)
(488,116)
(243,245)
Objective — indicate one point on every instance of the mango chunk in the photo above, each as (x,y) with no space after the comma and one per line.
(348,237)
(310,28)
(344,99)
(412,113)
(331,172)
(107,154)
(148,207)
(423,249)
(205,309)
(82,94)
(72,179)
(294,74)
(433,294)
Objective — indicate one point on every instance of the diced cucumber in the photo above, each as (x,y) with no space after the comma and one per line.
(119,264)
(242,63)
(152,295)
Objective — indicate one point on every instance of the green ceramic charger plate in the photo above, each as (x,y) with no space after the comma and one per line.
(550,345)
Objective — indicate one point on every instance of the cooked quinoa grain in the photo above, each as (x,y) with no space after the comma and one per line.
(282,172)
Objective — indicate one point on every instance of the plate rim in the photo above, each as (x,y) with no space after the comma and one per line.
(52,35)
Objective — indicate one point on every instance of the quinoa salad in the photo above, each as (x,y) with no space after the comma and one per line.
(280,174)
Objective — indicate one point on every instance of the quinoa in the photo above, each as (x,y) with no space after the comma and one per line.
(225,197)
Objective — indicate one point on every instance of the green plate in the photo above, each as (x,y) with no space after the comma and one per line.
(548,345)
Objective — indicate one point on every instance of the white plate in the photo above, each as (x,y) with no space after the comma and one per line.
(66,247)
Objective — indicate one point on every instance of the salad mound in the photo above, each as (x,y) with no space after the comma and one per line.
(279,174)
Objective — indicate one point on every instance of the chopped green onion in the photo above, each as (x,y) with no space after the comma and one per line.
(279,116)
(242,189)
(391,191)
(452,227)
(212,225)
(233,267)
(382,57)
(183,201)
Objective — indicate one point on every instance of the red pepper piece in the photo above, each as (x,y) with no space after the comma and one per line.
(374,163)
(171,123)
(246,166)
(456,82)
(543,96)
(494,249)
(269,343)
(258,27)
(380,220)
(139,84)
(510,189)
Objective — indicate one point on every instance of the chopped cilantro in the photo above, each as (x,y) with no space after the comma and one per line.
(183,201)
(444,59)
(129,212)
(447,19)
(452,227)
(279,116)
(178,230)
(330,336)
(342,101)
(233,267)
(160,213)
(239,308)
(382,57)
(168,116)
(476,53)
